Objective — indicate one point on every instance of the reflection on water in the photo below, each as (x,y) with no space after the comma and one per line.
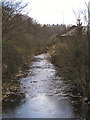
(46,94)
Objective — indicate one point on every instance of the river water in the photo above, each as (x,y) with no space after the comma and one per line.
(46,95)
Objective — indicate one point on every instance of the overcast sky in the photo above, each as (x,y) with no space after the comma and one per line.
(55,11)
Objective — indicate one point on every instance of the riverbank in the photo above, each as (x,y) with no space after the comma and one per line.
(12,88)
(73,87)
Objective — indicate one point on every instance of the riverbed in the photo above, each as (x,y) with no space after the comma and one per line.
(47,95)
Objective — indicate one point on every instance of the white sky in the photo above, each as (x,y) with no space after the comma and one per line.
(55,11)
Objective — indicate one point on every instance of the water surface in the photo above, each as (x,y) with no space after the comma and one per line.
(46,95)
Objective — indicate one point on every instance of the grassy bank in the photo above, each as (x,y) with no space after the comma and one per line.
(70,54)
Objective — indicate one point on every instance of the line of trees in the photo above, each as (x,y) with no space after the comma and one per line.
(70,54)
(18,39)
(22,38)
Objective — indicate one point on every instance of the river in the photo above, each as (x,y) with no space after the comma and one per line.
(46,95)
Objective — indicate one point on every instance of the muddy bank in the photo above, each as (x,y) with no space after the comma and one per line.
(11,88)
